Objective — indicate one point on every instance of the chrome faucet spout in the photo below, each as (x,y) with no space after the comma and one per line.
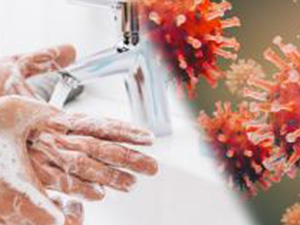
(146,87)
(104,63)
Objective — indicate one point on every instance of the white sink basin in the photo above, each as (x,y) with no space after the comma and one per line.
(174,197)
(187,190)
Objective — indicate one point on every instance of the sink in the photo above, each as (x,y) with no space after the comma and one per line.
(187,190)
(174,197)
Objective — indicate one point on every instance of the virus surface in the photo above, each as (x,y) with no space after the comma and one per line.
(189,35)
(241,157)
(267,133)
(240,73)
(292,215)
(278,101)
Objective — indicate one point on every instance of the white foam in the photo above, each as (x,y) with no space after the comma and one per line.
(13,172)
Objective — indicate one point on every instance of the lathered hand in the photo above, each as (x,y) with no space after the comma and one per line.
(14,70)
(86,153)
(74,153)
(23,199)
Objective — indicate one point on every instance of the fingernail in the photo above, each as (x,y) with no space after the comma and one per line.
(99,190)
(132,187)
(129,185)
(152,167)
(145,138)
(124,181)
(146,165)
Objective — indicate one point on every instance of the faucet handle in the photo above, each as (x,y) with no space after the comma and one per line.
(100,3)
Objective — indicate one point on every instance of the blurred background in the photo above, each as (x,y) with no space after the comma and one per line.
(262,20)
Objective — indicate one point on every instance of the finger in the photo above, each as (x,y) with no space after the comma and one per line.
(69,184)
(45,143)
(95,171)
(109,153)
(13,81)
(33,214)
(72,209)
(55,179)
(4,75)
(107,129)
(18,208)
(74,213)
(47,60)
(21,89)
(18,87)
(18,116)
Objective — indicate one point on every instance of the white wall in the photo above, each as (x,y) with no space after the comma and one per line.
(27,25)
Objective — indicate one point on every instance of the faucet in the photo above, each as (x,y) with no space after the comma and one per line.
(134,57)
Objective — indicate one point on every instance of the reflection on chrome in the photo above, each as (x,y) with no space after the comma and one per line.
(132,57)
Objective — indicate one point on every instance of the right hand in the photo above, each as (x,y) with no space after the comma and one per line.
(23,199)
(74,154)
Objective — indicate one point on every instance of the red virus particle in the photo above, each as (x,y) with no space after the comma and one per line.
(292,215)
(189,34)
(260,143)
(278,102)
(241,157)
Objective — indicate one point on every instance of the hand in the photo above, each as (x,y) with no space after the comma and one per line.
(15,70)
(81,151)
(78,154)
(23,199)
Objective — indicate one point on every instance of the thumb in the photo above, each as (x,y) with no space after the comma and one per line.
(21,114)
(47,60)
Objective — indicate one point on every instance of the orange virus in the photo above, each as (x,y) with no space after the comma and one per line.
(278,102)
(292,215)
(240,156)
(275,106)
(189,34)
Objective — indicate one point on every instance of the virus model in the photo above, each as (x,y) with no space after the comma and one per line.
(189,36)
(267,132)
(240,73)
(292,215)
(239,156)
(278,101)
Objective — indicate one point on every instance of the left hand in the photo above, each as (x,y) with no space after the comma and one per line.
(14,70)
